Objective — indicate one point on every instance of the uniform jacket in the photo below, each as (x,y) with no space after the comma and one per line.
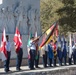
(50,51)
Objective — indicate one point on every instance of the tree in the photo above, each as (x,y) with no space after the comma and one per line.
(67,15)
(62,10)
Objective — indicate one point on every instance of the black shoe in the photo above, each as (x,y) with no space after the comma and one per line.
(55,65)
(6,71)
(45,66)
(70,64)
(61,65)
(18,69)
(32,68)
(51,66)
(65,64)
(37,67)
(9,71)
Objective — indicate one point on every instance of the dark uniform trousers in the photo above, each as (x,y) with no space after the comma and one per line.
(29,61)
(19,58)
(50,62)
(74,56)
(60,61)
(37,60)
(32,58)
(45,59)
(65,60)
(70,61)
(74,59)
(55,57)
(59,54)
(6,62)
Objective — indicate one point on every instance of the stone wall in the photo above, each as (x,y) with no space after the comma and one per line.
(22,13)
(13,62)
(24,40)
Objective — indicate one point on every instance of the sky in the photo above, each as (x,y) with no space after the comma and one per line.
(0,1)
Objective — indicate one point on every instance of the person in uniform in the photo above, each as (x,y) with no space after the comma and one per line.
(50,53)
(55,52)
(28,50)
(19,52)
(59,53)
(32,47)
(64,53)
(37,55)
(45,51)
(7,61)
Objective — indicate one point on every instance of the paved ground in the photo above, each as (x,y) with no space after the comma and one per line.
(26,69)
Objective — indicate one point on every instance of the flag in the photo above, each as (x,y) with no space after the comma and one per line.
(29,39)
(59,42)
(43,40)
(59,39)
(50,34)
(28,44)
(56,30)
(63,43)
(36,34)
(3,46)
(17,40)
(70,45)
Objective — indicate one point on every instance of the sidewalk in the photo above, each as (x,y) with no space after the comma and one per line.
(26,70)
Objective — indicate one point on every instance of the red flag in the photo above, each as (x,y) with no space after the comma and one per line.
(43,40)
(17,40)
(3,46)
(56,31)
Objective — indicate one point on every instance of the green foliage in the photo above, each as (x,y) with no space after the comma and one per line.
(62,10)
(67,15)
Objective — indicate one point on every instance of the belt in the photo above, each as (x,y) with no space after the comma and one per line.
(8,51)
(32,49)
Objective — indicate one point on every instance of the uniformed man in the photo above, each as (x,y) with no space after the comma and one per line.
(32,47)
(37,55)
(64,54)
(7,61)
(19,52)
(59,53)
(55,52)
(50,53)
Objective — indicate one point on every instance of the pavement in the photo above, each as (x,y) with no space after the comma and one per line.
(26,69)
